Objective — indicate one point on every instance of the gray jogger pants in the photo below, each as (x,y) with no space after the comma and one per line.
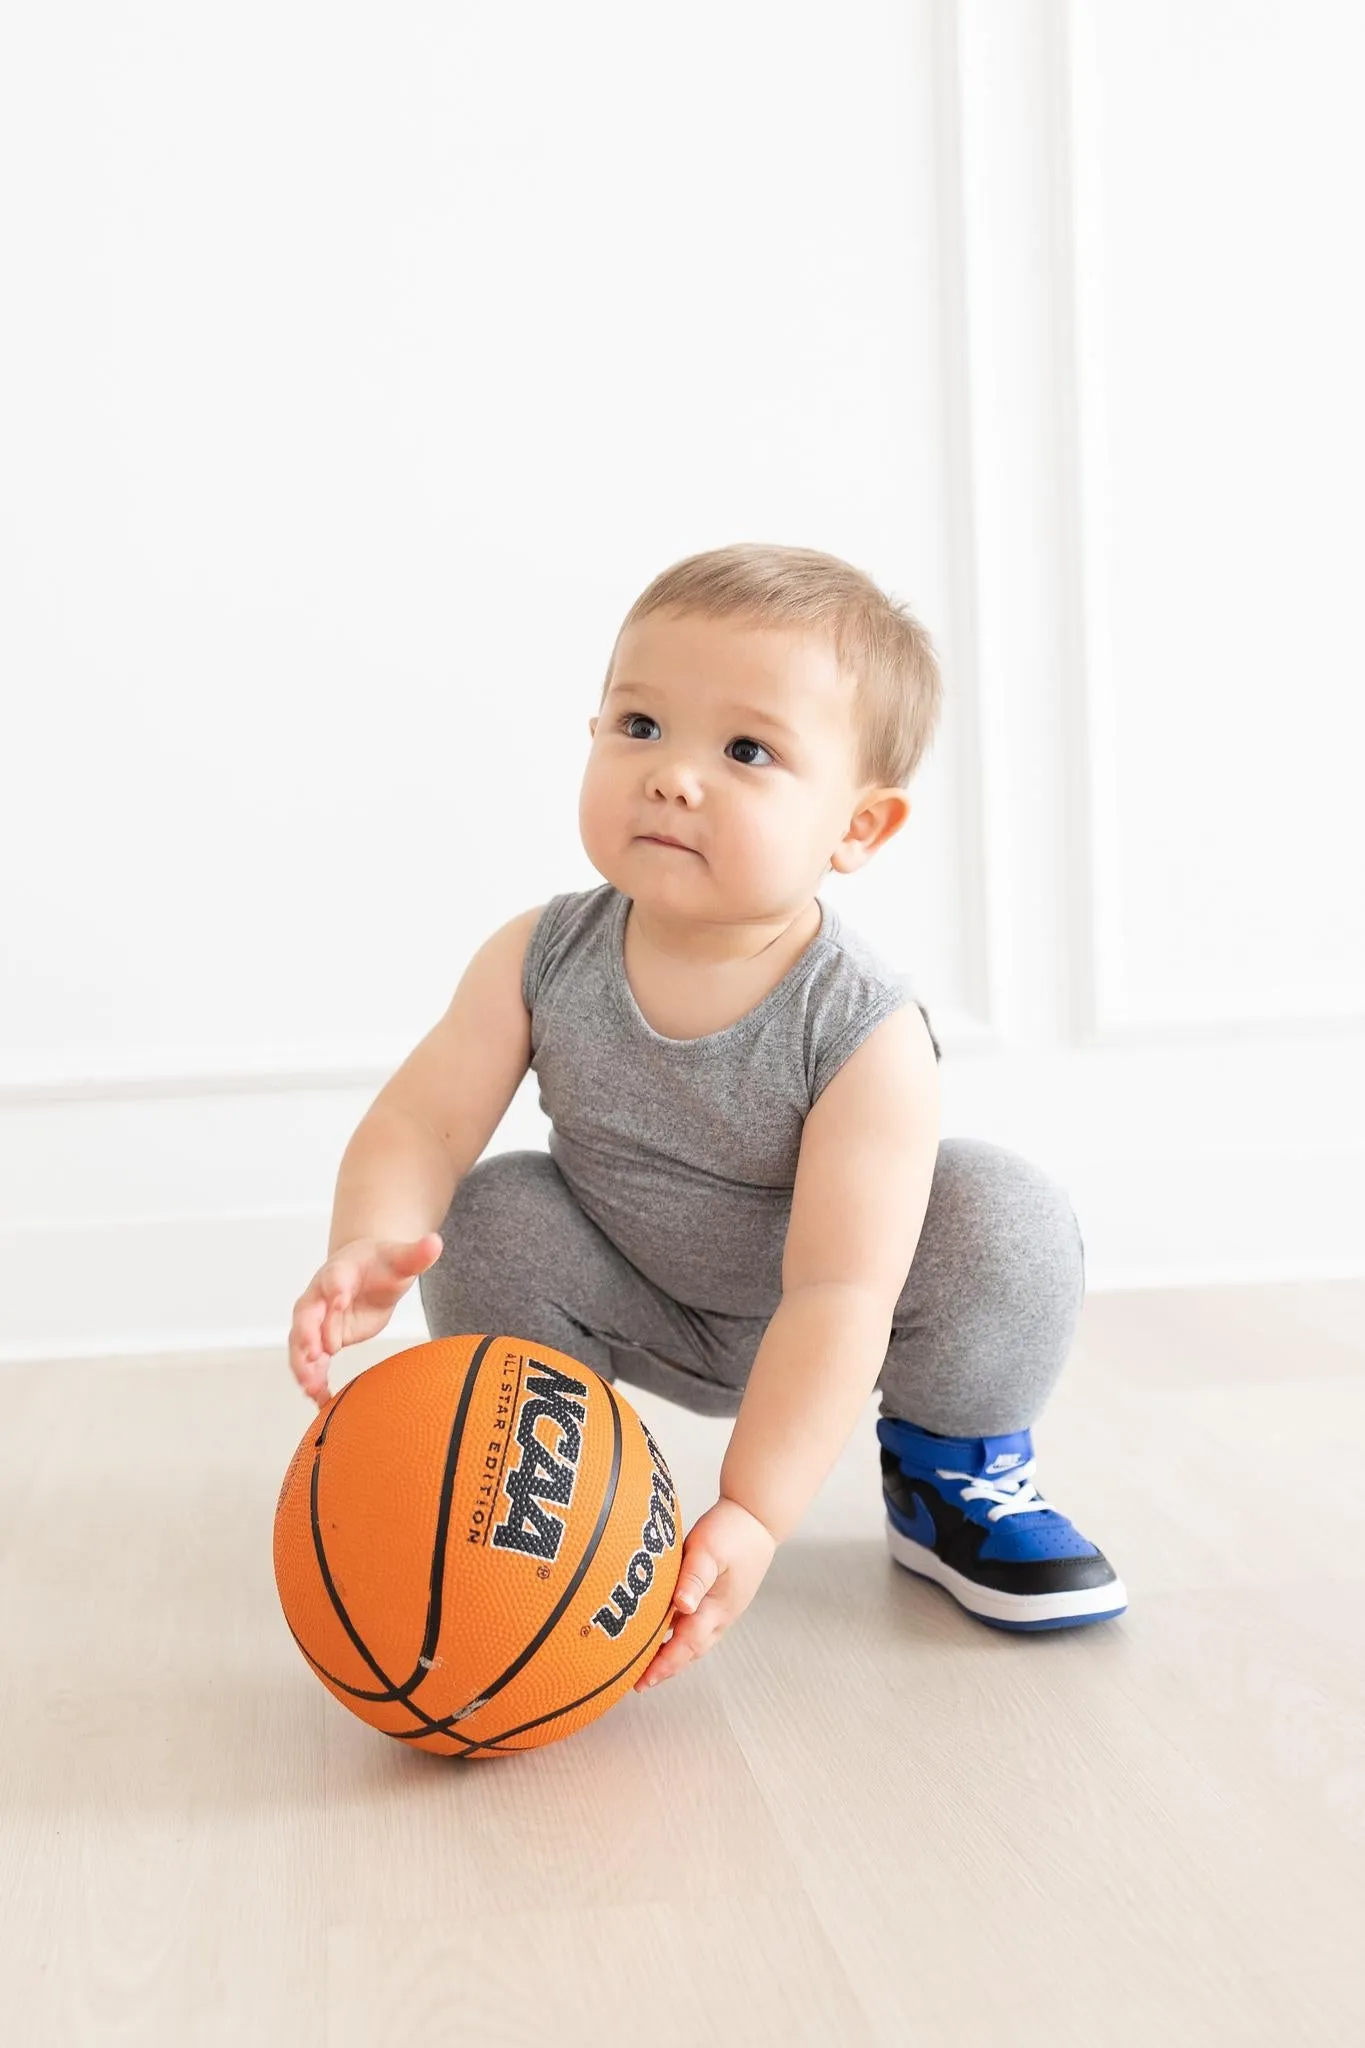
(979,1338)
(980,1334)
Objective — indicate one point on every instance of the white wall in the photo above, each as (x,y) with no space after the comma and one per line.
(358,367)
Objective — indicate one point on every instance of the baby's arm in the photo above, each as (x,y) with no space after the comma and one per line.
(455,1085)
(424,1130)
(867,1157)
(862,1188)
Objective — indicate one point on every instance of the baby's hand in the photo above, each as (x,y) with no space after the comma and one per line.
(724,1560)
(351,1298)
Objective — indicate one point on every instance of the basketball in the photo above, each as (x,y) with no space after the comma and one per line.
(476,1546)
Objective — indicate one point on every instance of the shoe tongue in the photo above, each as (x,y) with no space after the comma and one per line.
(998,1456)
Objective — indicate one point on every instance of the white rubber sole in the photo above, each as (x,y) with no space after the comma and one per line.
(1092,1603)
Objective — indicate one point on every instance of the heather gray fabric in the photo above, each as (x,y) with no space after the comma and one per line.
(647,1241)
(683,1151)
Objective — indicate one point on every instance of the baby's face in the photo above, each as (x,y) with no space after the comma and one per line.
(736,740)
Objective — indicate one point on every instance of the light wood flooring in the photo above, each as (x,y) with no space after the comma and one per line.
(865,1818)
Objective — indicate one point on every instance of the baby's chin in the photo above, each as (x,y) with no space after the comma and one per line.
(639,867)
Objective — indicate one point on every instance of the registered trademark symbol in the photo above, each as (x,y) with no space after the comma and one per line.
(542,1571)
(586,1629)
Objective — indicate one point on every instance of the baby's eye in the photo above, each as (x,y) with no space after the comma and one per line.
(634,718)
(751,743)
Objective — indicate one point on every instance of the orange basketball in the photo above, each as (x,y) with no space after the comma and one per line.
(476,1546)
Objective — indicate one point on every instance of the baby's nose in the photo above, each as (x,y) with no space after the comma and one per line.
(677,778)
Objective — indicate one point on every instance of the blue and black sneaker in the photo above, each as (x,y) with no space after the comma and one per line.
(964,1512)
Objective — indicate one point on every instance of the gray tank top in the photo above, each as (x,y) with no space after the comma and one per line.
(684,1150)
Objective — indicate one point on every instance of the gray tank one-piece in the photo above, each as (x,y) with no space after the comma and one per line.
(684,1150)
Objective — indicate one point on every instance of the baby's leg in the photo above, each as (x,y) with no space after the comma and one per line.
(988,1313)
(522,1259)
(981,1332)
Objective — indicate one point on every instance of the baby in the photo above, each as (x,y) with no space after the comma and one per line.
(745,1203)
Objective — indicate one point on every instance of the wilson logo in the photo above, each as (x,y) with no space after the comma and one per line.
(657,1535)
(543,1477)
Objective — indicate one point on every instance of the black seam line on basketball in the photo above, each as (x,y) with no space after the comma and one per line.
(355,1692)
(438,1556)
(499,1741)
(447,1727)
(395,1694)
(507,1445)
(401,1695)
(407,1735)
(321,1436)
(488,1692)
(492,1742)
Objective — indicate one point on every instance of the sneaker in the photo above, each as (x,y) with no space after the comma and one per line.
(964,1512)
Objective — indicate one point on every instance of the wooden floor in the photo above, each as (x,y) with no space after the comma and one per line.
(864,1818)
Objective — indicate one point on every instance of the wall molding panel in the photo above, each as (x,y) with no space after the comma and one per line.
(1203,1107)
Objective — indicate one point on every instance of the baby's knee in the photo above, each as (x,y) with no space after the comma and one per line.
(500,1218)
(500,1195)
(492,1262)
(1011,1223)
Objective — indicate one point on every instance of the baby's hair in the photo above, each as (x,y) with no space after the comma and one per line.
(879,643)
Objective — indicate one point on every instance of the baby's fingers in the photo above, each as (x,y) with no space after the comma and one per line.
(662,1665)
(305,1338)
(692,1637)
(340,1295)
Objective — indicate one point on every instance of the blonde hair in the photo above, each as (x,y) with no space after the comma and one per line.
(879,643)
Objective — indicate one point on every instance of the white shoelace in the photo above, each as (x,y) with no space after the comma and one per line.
(1014,1492)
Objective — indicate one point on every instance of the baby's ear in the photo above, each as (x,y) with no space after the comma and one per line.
(592,728)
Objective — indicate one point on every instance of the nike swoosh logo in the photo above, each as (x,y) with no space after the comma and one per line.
(921,1529)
